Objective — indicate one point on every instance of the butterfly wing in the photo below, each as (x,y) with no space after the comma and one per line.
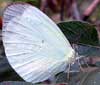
(12,11)
(35,47)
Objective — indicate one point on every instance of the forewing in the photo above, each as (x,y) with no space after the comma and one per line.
(34,45)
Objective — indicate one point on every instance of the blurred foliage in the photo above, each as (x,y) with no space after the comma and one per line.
(32,2)
(91,78)
(0,22)
(15,83)
(3,5)
(98,64)
(87,50)
(95,16)
(55,7)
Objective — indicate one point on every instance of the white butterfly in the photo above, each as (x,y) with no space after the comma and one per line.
(35,47)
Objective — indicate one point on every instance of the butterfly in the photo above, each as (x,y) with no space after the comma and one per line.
(34,45)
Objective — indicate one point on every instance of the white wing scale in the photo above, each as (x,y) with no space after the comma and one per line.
(35,47)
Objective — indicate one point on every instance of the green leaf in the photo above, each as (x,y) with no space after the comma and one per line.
(79,32)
